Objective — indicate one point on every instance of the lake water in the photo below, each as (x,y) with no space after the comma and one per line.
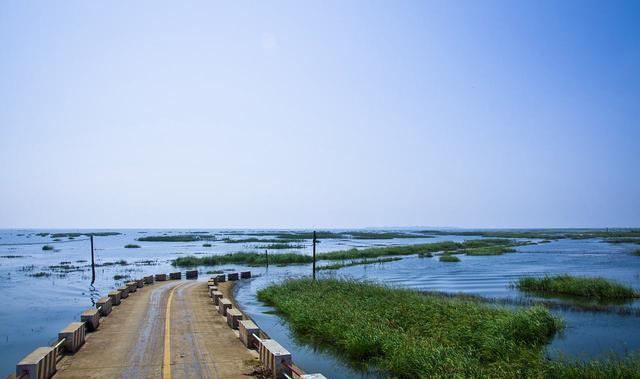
(36,308)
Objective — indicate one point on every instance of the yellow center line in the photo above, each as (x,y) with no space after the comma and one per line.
(166,363)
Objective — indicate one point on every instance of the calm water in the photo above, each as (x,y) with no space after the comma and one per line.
(38,307)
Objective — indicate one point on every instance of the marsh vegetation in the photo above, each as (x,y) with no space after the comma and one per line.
(598,288)
(412,335)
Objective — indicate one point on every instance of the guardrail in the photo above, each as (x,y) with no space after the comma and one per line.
(41,362)
(275,359)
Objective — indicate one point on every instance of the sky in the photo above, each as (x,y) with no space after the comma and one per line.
(319,114)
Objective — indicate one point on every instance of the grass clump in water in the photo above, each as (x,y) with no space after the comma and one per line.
(132,246)
(425,255)
(412,335)
(40,275)
(636,252)
(206,245)
(121,277)
(357,263)
(178,238)
(449,258)
(281,245)
(47,247)
(375,252)
(598,288)
(250,259)
(489,250)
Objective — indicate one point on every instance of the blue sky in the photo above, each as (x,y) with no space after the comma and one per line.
(320,114)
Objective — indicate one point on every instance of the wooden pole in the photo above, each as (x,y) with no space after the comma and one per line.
(314,255)
(93,263)
(266,257)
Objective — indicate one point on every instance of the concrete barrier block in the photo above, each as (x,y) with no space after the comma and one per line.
(92,318)
(313,376)
(161,277)
(221,278)
(133,286)
(39,364)
(247,329)
(140,283)
(148,279)
(223,306)
(245,274)
(175,276)
(272,354)
(212,289)
(124,292)
(104,303)
(115,297)
(192,274)
(216,296)
(233,317)
(232,276)
(73,336)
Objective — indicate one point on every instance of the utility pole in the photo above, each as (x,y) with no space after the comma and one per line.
(93,263)
(266,257)
(314,255)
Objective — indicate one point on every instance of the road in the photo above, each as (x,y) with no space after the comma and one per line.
(168,330)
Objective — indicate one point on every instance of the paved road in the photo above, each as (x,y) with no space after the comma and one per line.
(168,330)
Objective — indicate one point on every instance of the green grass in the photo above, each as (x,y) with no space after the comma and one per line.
(411,335)
(489,250)
(628,367)
(47,247)
(547,234)
(375,252)
(178,238)
(449,258)
(258,259)
(636,252)
(40,275)
(121,277)
(259,240)
(357,263)
(75,235)
(384,235)
(598,288)
(281,245)
(425,255)
(132,246)
(250,259)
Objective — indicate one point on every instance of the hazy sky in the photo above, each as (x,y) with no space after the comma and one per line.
(278,114)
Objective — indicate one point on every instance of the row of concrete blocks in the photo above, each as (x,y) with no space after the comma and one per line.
(230,277)
(41,363)
(275,358)
(176,276)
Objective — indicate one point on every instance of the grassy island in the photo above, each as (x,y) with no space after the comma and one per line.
(449,258)
(47,247)
(357,263)
(597,288)
(132,246)
(412,335)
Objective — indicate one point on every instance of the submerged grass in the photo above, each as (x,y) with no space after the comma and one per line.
(598,288)
(47,247)
(357,263)
(411,335)
(132,246)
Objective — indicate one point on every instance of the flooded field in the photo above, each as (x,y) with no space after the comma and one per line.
(47,289)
